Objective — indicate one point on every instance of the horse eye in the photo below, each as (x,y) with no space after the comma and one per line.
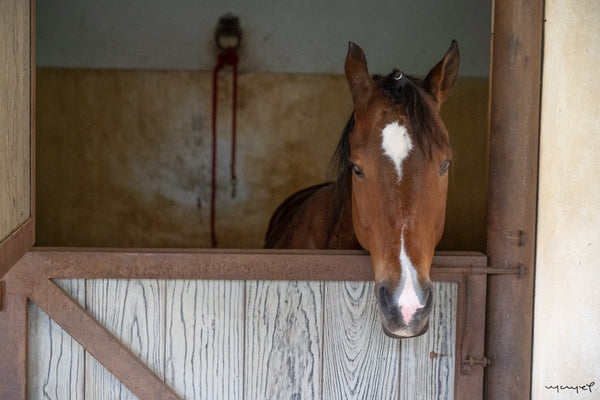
(358,171)
(444,167)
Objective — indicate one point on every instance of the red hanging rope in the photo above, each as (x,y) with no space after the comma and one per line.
(227,57)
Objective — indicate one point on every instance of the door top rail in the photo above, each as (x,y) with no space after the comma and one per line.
(228,264)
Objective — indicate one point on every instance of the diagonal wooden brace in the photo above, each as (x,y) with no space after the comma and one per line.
(94,337)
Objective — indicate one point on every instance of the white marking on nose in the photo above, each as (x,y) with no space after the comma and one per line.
(396,144)
(408,301)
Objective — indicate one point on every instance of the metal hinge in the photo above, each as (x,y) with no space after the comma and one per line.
(520,237)
(484,361)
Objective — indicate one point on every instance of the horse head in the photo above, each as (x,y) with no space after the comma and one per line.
(399,155)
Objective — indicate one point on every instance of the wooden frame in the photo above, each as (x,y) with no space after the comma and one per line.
(32,280)
(515,84)
(516,39)
(23,236)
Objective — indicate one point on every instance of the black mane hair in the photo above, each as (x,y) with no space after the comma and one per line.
(341,158)
(406,93)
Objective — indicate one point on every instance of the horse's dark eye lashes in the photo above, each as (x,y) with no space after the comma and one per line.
(444,167)
(357,170)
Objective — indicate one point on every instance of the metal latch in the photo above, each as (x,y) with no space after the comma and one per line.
(484,361)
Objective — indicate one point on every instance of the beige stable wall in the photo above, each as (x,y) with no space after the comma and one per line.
(123,156)
(566,363)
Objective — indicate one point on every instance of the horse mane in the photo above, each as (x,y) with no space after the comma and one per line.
(406,93)
(340,165)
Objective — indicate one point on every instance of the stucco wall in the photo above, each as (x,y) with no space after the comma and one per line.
(124,157)
(306,36)
(566,361)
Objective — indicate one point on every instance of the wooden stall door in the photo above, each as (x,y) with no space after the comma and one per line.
(16,133)
(17,225)
(200,324)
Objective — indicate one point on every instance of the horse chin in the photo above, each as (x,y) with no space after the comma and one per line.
(406,332)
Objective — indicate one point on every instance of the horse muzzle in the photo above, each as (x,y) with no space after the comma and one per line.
(404,316)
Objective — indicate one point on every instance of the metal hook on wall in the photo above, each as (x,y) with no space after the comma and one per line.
(228,30)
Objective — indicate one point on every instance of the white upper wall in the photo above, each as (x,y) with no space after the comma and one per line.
(308,36)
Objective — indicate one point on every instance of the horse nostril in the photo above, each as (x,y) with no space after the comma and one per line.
(428,298)
(385,298)
(383,294)
(405,313)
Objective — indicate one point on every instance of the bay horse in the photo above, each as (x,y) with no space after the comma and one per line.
(390,194)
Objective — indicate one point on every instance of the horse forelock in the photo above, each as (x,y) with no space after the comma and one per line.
(408,93)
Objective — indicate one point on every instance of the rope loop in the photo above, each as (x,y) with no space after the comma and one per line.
(228,27)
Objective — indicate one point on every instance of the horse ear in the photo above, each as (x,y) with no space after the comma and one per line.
(357,74)
(441,78)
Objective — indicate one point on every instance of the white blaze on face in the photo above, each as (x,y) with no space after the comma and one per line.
(409,299)
(396,144)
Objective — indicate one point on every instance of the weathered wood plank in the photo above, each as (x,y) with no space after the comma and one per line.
(132,310)
(17,126)
(360,361)
(95,338)
(56,360)
(15,104)
(428,360)
(268,339)
(205,338)
(284,322)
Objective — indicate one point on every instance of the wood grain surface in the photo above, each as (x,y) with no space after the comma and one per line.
(17,131)
(360,361)
(429,359)
(283,340)
(133,310)
(56,361)
(215,339)
(205,338)
(15,103)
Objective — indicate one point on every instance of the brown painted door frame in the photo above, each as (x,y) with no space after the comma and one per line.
(516,70)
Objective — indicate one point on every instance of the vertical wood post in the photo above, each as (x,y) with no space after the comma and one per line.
(514,138)
(13,346)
